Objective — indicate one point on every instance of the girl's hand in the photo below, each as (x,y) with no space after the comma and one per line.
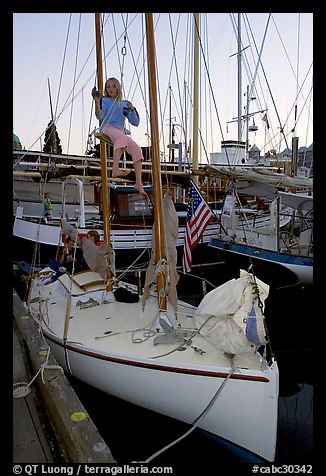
(95,94)
(130,105)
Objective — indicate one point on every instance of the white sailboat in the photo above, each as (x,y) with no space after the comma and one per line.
(283,235)
(278,232)
(131,225)
(199,365)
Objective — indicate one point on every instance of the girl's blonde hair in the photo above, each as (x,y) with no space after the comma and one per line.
(118,85)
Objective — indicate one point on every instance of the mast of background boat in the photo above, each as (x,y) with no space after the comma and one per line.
(104,170)
(171,128)
(51,108)
(52,137)
(239,78)
(196,95)
(157,185)
(295,139)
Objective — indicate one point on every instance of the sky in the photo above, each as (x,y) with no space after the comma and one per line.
(54,55)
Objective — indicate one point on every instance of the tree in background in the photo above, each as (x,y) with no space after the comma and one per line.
(51,140)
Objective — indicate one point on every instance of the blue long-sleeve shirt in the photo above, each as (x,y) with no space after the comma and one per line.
(113,113)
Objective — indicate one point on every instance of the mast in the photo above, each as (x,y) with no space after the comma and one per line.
(171,150)
(50,99)
(239,78)
(104,170)
(196,93)
(52,138)
(158,196)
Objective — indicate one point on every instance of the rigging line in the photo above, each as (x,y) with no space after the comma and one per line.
(305,101)
(130,266)
(301,112)
(68,100)
(297,75)
(89,141)
(118,55)
(67,103)
(159,91)
(168,95)
(138,82)
(124,50)
(74,83)
(186,74)
(272,98)
(211,89)
(83,120)
(102,23)
(24,155)
(187,341)
(174,59)
(161,134)
(209,102)
(196,421)
(144,74)
(253,87)
(296,98)
(62,67)
(135,73)
(205,81)
(280,38)
(308,122)
(235,30)
(176,107)
(142,89)
(200,132)
(253,79)
(245,62)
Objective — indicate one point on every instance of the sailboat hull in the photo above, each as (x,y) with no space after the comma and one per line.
(300,266)
(244,413)
(122,238)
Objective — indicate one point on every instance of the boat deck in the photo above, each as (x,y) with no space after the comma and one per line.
(125,330)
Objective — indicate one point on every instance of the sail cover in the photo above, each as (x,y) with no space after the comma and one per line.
(99,258)
(230,316)
(171,238)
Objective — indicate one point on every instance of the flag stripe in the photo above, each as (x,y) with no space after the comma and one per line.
(199,215)
(196,230)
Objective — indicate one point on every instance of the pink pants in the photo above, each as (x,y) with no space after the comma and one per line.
(121,141)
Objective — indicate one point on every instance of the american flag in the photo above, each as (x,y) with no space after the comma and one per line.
(199,215)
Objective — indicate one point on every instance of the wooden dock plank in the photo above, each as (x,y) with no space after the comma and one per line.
(80,442)
(29,443)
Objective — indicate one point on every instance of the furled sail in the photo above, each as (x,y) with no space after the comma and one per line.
(231,316)
(171,238)
(260,174)
(99,258)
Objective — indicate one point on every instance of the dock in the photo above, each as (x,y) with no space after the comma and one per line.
(50,424)
(31,444)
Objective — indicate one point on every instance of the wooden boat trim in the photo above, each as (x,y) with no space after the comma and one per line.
(165,368)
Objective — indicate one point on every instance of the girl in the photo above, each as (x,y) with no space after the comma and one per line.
(68,258)
(113,110)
